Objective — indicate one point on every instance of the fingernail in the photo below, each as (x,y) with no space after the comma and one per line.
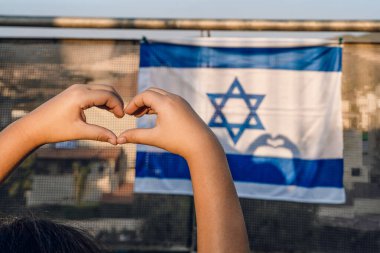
(121,140)
(112,141)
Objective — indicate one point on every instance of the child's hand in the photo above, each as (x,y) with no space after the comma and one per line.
(62,117)
(220,222)
(178,128)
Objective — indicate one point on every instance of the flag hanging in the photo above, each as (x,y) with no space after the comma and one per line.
(275,105)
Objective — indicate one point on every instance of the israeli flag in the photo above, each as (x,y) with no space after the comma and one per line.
(275,106)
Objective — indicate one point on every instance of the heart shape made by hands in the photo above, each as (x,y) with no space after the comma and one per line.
(275,142)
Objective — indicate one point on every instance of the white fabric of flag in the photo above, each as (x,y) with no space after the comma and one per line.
(275,105)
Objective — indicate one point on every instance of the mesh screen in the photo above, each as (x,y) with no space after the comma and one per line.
(90,185)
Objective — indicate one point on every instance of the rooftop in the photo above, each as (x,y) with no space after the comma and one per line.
(87,153)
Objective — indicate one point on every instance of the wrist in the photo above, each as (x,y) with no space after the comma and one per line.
(207,147)
(27,133)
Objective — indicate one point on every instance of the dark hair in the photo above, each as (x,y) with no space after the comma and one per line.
(35,235)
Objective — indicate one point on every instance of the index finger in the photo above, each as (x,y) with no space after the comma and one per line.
(106,87)
(148,99)
(105,99)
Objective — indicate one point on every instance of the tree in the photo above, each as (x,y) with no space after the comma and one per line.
(81,173)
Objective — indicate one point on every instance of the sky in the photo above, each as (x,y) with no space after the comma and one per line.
(240,9)
(251,9)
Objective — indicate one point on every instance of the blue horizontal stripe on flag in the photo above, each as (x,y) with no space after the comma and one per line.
(312,58)
(246,168)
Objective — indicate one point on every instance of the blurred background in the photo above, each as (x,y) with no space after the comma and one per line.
(90,185)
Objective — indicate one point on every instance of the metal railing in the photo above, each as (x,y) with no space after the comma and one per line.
(195,24)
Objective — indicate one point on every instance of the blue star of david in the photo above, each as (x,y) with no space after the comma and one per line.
(252,101)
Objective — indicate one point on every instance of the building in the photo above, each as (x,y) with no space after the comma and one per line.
(68,174)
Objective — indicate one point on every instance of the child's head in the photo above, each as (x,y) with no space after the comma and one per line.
(38,235)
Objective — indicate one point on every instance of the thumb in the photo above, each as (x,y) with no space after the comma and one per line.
(136,135)
(98,133)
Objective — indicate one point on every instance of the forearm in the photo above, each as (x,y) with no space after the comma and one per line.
(220,221)
(15,144)
(180,130)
